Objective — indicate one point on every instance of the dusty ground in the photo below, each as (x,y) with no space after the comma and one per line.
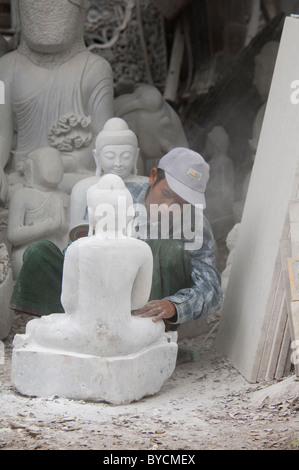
(205,405)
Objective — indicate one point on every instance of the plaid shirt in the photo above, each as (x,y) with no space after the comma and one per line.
(204,296)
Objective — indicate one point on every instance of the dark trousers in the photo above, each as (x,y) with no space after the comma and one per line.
(38,287)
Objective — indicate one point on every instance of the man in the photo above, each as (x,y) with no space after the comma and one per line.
(186,283)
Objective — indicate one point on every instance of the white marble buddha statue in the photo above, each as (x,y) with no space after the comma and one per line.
(105,277)
(116,152)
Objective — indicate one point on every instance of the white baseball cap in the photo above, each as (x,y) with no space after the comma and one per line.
(186,173)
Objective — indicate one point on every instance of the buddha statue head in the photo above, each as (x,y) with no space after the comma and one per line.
(52,26)
(116,150)
(110,208)
(43,169)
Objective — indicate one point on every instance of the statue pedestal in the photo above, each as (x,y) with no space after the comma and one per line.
(42,372)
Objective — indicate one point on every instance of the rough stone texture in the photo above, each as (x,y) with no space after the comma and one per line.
(117,380)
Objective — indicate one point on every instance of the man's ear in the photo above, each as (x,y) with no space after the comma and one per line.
(153,176)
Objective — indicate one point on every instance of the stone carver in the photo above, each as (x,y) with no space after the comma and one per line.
(116,152)
(58,93)
(186,283)
(38,210)
(97,346)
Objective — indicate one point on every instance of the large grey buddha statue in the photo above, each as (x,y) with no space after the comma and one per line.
(57,92)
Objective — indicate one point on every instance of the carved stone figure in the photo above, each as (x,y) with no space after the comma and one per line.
(6,288)
(59,93)
(117,153)
(38,210)
(157,126)
(98,347)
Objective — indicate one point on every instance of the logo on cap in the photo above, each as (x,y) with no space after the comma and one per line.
(195,174)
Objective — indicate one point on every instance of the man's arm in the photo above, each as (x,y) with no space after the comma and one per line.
(204,296)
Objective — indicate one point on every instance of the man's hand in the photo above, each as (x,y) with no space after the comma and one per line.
(158,309)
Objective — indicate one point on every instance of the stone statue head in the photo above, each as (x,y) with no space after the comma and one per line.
(43,169)
(51,26)
(116,149)
(110,207)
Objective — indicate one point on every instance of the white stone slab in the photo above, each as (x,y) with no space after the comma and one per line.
(247,306)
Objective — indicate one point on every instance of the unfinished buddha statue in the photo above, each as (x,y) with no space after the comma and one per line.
(39,210)
(116,152)
(59,93)
(106,276)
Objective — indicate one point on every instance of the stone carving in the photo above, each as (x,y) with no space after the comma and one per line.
(38,210)
(97,346)
(130,35)
(233,44)
(117,153)
(58,92)
(6,288)
(157,126)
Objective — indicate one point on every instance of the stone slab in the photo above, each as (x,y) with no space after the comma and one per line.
(248,302)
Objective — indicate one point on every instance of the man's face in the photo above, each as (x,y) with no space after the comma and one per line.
(161,194)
